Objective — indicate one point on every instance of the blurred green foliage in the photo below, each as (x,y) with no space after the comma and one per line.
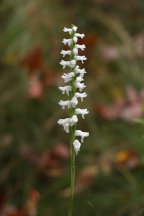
(30,43)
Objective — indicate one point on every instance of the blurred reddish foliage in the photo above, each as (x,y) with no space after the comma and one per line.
(39,77)
(34,195)
(34,61)
(109,53)
(35,88)
(2,199)
(128,108)
(89,40)
(28,209)
(49,160)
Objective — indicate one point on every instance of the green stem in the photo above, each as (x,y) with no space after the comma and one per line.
(72,134)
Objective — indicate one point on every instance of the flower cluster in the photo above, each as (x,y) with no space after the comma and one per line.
(74,85)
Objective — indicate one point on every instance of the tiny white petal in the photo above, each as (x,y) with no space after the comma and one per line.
(75,28)
(65,89)
(65,123)
(83,112)
(74,102)
(80,86)
(66,52)
(80,58)
(75,51)
(68,77)
(67,41)
(81,95)
(79,79)
(73,120)
(75,39)
(63,104)
(80,71)
(81,134)
(63,63)
(72,63)
(66,128)
(76,145)
(79,35)
(68,122)
(82,47)
(69,30)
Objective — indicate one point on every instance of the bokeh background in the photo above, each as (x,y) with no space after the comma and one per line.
(34,150)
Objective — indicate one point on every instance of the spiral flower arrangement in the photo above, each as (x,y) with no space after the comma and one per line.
(74,87)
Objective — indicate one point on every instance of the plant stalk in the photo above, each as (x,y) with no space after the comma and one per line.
(72,130)
(72,133)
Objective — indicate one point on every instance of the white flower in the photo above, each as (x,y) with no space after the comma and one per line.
(79,71)
(74,28)
(66,127)
(74,102)
(71,63)
(75,77)
(81,111)
(68,122)
(79,79)
(81,95)
(81,134)
(66,52)
(68,77)
(73,120)
(82,47)
(75,39)
(69,30)
(80,86)
(63,63)
(80,58)
(79,35)
(65,123)
(75,51)
(65,89)
(67,41)
(76,145)
(63,104)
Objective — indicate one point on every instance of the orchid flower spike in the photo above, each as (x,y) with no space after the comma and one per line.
(74,80)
